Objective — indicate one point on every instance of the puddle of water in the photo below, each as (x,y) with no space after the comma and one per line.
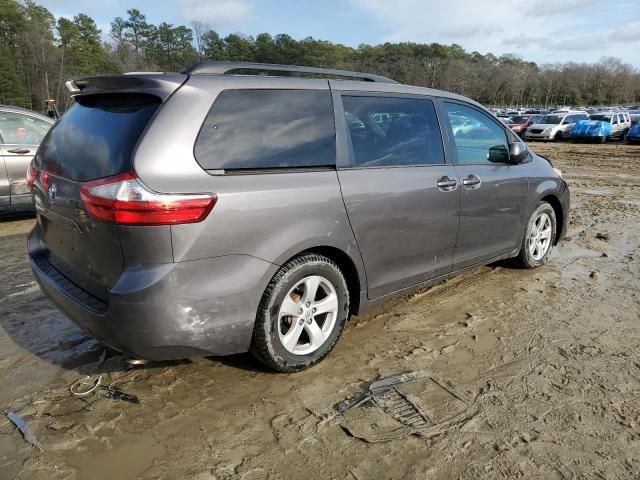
(569,250)
(596,191)
(127,460)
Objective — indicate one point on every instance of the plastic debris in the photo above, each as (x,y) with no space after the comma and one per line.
(413,403)
(75,386)
(19,422)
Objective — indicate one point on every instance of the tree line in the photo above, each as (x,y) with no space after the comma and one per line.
(39,52)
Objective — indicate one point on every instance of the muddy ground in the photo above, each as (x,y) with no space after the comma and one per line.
(548,361)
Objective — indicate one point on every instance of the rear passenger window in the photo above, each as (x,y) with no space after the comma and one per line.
(391,132)
(479,140)
(258,129)
(16,129)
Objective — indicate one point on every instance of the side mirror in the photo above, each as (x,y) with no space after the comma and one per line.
(517,153)
(498,154)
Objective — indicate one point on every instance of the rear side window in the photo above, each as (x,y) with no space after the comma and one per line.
(391,132)
(96,137)
(265,129)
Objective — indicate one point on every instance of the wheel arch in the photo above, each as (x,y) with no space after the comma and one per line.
(346,265)
(559,212)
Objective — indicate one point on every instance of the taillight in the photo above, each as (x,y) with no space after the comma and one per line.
(32,174)
(124,200)
(44,179)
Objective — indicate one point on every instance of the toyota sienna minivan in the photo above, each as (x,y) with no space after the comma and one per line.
(227,209)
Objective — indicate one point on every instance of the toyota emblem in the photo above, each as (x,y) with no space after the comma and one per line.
(51,193)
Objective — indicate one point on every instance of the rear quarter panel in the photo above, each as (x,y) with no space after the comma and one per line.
(271,216)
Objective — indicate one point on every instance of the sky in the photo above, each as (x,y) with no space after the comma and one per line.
(544,31)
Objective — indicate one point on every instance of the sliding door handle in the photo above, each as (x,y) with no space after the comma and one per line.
(471,181)
(447,184)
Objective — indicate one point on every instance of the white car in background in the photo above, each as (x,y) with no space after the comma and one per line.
(555,126)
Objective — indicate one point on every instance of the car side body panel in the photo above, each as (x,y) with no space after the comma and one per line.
(14,161)
(196,289)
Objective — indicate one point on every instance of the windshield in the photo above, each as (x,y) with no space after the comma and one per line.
(551,119)
(518,119)
(535,120)
(601,118)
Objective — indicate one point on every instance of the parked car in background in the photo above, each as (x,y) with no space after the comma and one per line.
(562,110)
(602,127)
(21,131)
(519,123)
(633,135)
(555,126)
(461,125)
(209,213)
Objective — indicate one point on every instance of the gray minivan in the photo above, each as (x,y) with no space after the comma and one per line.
(217,211)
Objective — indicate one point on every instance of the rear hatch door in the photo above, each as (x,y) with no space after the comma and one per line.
(94,139)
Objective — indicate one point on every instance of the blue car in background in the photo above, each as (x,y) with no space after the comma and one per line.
(602,127)
(633,136)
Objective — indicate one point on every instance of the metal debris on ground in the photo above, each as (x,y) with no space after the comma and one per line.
(413,403)
(19,422)
(117,394)
(87,385)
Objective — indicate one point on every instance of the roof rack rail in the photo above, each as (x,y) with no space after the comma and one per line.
(227,68)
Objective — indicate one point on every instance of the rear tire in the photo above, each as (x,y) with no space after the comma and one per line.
(288,343)
(538,238)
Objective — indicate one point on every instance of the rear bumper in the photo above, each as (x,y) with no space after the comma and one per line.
(166,311)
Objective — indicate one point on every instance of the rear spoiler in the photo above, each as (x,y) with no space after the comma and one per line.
(159,84)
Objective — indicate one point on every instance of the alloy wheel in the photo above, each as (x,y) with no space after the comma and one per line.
(307,315)
(540,237)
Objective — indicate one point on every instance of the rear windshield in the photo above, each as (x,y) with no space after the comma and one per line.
(260,129)
(551,119)
(96,137)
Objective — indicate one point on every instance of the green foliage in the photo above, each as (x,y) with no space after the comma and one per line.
(81,50)
(39,53)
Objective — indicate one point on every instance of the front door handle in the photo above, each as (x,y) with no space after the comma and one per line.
(447,184)
(471,182)
(20,151)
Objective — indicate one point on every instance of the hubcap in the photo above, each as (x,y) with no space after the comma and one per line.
(307,315)
(540,237)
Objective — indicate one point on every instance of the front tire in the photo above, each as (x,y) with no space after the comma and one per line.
(539,235)
(301,315)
